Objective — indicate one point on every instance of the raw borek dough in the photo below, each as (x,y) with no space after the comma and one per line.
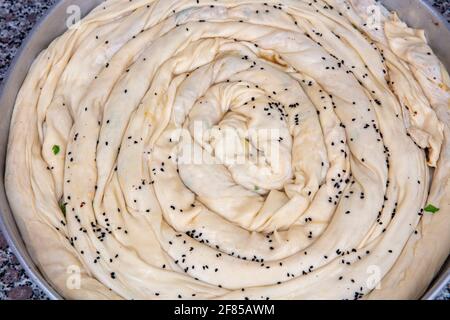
(362,115)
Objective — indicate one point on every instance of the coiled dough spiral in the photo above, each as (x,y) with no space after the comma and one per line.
(97,179)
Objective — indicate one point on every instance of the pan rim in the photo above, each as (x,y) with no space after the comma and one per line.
(18,247)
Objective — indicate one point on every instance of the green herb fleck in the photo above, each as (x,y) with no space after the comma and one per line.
(62,206)
(56,149)
(431,208)
(256,188)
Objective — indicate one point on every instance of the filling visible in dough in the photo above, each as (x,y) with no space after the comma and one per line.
(234,149)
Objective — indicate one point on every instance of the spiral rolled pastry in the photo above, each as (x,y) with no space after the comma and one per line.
(318,135)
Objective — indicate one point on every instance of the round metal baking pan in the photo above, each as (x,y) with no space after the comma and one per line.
(416,13)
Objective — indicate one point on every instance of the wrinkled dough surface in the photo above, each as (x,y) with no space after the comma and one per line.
(337,125)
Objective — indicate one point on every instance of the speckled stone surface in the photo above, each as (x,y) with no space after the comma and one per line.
(17,17)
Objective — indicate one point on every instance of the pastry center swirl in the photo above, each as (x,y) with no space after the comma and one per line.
(227,149)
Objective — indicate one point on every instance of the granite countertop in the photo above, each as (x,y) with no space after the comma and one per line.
(17,17)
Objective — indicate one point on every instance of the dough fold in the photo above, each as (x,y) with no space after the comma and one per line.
(234,149)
